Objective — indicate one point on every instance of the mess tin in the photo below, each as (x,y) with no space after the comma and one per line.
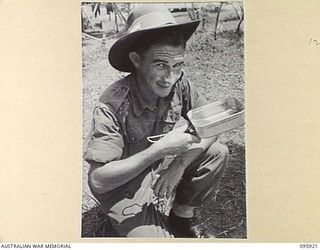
(213,119)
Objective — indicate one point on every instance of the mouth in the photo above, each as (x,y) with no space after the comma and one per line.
(165,85)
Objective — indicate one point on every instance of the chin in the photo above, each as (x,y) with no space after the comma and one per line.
(164,93)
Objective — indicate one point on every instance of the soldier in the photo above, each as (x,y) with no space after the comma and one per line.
(133,179)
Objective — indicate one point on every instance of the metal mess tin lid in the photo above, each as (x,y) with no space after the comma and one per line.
(217,117)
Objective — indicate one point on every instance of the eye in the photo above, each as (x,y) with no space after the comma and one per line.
(178,65)
(160,65)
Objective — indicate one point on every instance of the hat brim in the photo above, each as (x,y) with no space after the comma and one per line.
(119,52)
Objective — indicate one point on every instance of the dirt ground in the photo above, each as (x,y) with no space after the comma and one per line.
(216,68)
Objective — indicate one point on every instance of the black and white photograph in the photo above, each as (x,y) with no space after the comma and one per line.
(163,105)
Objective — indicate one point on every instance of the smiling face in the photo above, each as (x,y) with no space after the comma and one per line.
(159,68)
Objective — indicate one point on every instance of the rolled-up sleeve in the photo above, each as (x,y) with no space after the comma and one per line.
(105,142)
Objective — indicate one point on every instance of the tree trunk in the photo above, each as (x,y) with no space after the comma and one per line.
(189,12)
(217,20)
(116,20)
(236,11)
(82,22)
(238,28)
(89,19)
(241,20)
(115,7)
(192,10)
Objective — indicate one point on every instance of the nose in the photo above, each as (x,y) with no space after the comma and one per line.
(172,76)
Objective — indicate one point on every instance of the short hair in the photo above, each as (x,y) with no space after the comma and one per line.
(162,37)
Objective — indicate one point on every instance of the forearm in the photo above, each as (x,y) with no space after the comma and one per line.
(170,177)
(116,173)
(185,159)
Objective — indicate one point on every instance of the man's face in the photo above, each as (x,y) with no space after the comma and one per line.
(160,67)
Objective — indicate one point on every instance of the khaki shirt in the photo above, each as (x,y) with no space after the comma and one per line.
(122,121)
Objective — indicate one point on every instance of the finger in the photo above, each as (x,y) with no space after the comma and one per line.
(169,191)
(193,138)
(162,190)
(157,187)
(154,181)
(182,128)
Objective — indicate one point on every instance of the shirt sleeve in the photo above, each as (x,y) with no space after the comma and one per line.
(105,142)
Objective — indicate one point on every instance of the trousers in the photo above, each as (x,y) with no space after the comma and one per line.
(141,215)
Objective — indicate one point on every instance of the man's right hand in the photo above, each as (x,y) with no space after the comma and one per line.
(176,142)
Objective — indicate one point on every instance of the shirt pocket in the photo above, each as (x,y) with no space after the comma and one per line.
(137,130)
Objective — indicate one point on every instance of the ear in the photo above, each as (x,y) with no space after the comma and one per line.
(135,59)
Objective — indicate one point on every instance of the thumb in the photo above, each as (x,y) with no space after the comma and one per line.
(182,128)
(195,139)
(154,180)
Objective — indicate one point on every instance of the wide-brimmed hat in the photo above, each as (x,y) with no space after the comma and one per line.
(144,19)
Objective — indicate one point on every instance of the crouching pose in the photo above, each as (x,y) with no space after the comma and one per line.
(134,179)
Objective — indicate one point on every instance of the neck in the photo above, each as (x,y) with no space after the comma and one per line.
(146,93)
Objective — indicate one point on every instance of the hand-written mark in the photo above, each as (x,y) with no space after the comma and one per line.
(314,42)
